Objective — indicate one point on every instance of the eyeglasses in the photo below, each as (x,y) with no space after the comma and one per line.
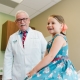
(20,20)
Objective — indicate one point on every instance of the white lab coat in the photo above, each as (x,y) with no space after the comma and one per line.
(18,61)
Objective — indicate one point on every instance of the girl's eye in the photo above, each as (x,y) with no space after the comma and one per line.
(52,22)
(48,23)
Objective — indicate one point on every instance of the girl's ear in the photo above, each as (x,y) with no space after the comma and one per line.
(62,26)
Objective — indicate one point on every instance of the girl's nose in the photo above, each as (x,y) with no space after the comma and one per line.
(50,24)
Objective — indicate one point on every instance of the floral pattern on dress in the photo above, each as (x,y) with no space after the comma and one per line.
(62,69)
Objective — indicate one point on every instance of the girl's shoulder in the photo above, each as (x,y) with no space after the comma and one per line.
(59,35)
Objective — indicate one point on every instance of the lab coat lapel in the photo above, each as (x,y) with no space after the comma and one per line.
(19,40)
(29,36)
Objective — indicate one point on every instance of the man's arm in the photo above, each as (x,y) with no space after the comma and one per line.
(8,60)
(43,45)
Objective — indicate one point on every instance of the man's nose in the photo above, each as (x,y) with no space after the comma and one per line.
(22,21)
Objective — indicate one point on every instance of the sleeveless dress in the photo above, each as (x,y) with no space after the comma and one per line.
(61,68)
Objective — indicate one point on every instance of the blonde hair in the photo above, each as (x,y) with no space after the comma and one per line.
(59,18)
(21,11)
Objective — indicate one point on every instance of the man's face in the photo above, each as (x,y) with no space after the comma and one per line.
(22,21)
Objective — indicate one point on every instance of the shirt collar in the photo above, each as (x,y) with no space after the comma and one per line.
(20,32)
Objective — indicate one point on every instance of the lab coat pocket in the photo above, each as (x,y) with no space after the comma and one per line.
(16,69)
(14,43)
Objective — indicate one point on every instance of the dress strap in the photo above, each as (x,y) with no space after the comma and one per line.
(60,35)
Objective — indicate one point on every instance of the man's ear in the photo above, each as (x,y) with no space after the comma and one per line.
(15,21)
(29,20)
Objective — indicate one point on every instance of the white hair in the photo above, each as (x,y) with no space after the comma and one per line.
(21,11)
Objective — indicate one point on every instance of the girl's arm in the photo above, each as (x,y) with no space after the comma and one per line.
(46,53)
(56,46)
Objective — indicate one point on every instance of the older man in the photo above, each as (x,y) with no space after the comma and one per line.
(24,49)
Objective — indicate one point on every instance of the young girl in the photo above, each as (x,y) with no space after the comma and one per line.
(55,65)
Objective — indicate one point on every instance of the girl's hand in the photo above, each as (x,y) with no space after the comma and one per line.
(31,73)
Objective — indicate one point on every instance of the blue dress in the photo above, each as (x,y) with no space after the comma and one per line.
(61,68)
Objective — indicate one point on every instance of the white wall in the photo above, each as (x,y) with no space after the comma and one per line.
(48,38)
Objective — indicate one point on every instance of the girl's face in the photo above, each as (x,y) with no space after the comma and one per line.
(53,26)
